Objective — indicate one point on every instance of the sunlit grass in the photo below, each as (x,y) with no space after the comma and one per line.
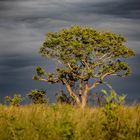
(63,122)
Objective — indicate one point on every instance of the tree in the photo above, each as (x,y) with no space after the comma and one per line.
(37,96)
(84,55)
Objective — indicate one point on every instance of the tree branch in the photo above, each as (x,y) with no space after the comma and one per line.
(80,87)
(49,80)
(95,84)
(86,88)
(102,59)
(76,75)
(86,64)
(72,94)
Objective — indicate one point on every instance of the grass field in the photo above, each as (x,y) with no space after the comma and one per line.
(63,122)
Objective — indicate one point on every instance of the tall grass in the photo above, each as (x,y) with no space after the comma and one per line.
(63,122)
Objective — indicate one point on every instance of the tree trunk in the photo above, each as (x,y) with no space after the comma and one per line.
(84,102)
(81,100)
(84,98)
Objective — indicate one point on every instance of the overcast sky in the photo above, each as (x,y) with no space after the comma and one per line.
(23,24)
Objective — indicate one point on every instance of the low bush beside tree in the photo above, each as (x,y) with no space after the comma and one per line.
(37,96)
(14,101)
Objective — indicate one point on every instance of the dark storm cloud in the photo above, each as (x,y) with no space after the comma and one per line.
(23,24)
(50,15)
(124,8)
(42,8)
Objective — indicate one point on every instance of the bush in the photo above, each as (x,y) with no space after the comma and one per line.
(37,96)
(109,98)
(14,101)
(112,99)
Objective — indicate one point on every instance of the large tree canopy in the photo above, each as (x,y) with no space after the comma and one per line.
(84,54)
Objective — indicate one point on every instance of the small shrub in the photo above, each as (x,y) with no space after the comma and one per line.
(112,99)
(113,128)
(37,96)
(14,101)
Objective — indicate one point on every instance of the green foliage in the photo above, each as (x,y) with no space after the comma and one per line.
(37,96)
(77,42)
(64,122)
(112,126)
(112,99)
(40,71)
(87,51)
(14,101)
(65,129)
